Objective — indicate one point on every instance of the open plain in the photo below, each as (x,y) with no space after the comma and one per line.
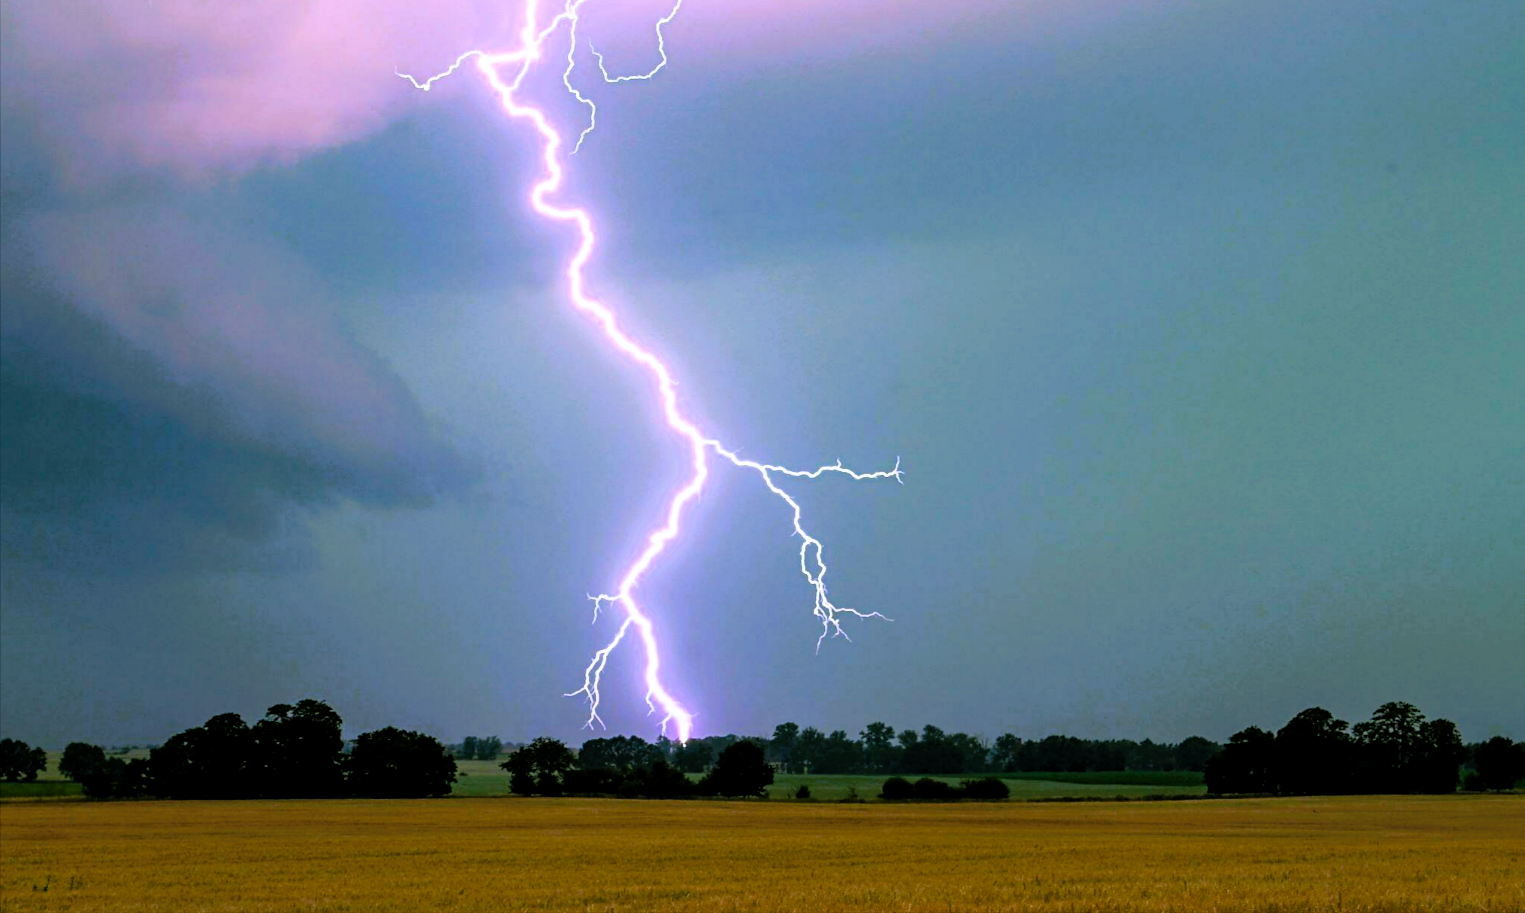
(1364,854)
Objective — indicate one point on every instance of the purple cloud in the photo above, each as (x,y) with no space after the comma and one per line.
(198,87)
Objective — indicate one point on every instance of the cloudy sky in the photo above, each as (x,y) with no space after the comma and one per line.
(1199,329)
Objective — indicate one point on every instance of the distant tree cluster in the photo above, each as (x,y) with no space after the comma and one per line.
(1396,751)
(734,766)
(632,768)
(1497,764)
(479,748)
(880,749)
(20,761)
(295,752)
(926,788)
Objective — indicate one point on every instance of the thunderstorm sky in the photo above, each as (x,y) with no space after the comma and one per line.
(1199,328)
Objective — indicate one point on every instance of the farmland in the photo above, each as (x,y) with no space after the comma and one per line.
(485,778)
(1355,853)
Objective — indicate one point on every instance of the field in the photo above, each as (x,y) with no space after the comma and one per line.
(485,778)
(1372,854)
(477,779)
(42,789)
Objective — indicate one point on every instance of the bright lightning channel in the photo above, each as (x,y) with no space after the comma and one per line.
(517,63)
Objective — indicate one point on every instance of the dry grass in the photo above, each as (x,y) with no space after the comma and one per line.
(1398,854)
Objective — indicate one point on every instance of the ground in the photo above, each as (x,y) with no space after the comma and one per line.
(1353,853)
(485,778)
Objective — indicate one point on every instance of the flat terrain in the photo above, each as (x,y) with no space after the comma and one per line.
(1367,853)
(485,778)
(1022,786)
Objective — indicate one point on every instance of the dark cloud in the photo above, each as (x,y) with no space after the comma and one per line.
(1196,326)
(171,393)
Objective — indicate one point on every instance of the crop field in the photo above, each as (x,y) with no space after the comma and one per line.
(1363,854)
(42,789)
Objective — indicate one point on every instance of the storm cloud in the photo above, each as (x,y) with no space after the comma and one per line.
(1196,326)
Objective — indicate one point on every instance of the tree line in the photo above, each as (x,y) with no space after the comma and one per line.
(631,767)
(1396,751)
(880,749)
(478,748)
(296,751)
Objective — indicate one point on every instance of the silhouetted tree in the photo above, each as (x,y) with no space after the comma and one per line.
(205,762)
(469,747)
(1390,748)
(297,750)
(809,748)
(1004,757)
(1126,755)
(1314,755)
(392,763)
(595,782)
(935,752)
(521,782)
(538,766)
(1244,765)
(618,753)
(784,737)
(1440,755)
(1054,753)
(662,781)
(1500,763)
(741,770)
(879,751)
(1193,752)
(1401,753)
(971,753)
(693,757)
(115,778)
(80,759)
(839,755)
(488,747)
(20,761)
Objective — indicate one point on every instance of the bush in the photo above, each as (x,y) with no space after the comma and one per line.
(803,792)
(896,788)
(985,788)
(1474,782)
(928,788)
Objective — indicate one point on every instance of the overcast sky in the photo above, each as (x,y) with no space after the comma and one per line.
(1199,329)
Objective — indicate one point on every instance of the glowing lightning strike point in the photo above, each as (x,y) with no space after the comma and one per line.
(812,564)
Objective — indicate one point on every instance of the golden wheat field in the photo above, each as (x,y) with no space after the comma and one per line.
(1390,853)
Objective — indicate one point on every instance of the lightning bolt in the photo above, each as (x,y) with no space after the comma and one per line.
(517,64)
